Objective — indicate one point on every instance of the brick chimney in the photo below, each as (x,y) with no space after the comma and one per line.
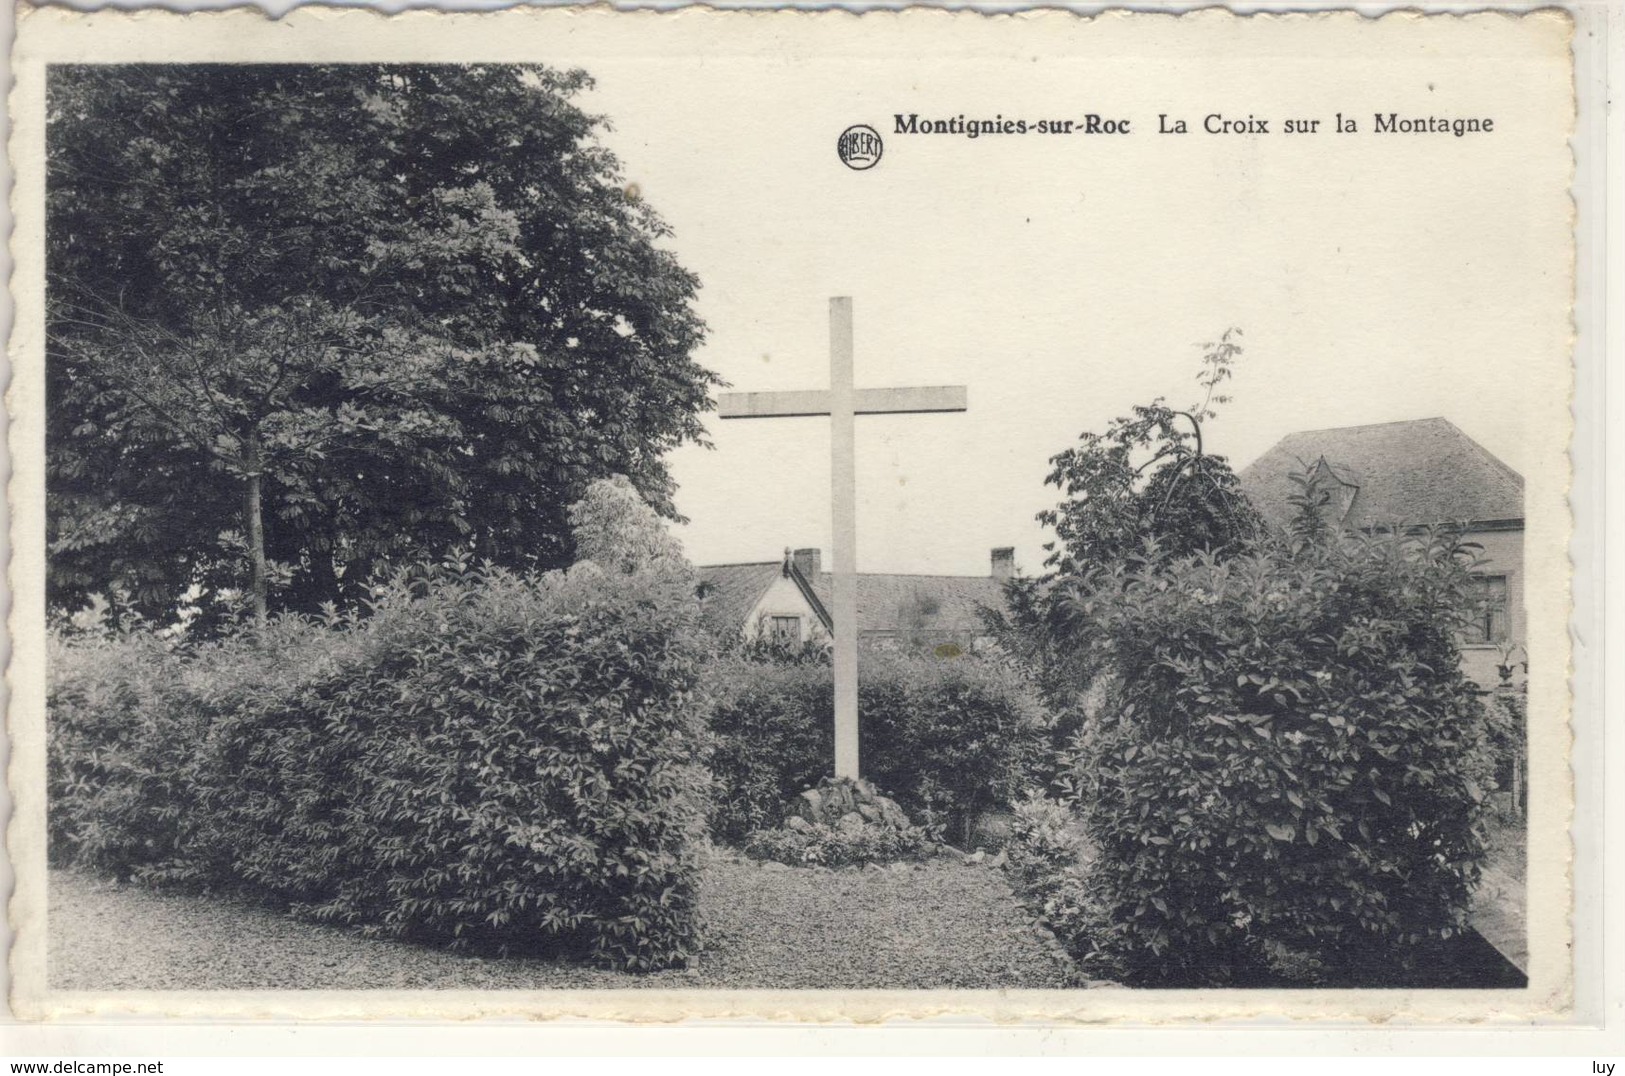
(1004,563)
(808,562)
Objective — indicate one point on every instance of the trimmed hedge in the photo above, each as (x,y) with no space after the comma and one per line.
(947,738)
(121,726)
(1290,769)
(487,758)
(130,719)
(772,735)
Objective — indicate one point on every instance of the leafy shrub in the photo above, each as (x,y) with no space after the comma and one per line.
(952,738)
(487,758)
(849,841)
(1508,714)
(1148,475)
(1049,861)
(130,713)
(1290,761)
(1045,840)
(119,724)
(773,734)
(948,737)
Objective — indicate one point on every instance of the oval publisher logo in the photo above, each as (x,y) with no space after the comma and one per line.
(859,147)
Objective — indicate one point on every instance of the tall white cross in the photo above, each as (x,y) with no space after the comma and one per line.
(841,402)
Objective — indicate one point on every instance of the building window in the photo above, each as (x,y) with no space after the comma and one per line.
(786,629)
(1489,621)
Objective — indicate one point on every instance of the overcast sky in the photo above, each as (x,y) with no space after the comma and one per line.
(1062,279)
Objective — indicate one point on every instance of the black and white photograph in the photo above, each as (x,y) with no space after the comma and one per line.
(764,513)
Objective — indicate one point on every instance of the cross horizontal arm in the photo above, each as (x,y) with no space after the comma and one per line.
(898,401)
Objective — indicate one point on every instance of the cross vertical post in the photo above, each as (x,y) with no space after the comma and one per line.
(843,500)
(842,403)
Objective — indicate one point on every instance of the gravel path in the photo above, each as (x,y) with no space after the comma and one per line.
(1500,905)
(939,924)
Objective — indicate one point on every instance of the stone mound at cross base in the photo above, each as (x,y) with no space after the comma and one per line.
(837,799)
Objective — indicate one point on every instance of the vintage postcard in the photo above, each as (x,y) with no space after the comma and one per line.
(794,515)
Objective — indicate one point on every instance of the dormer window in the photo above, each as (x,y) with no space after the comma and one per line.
(1338,490)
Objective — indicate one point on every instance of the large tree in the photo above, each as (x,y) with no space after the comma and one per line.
(305,321)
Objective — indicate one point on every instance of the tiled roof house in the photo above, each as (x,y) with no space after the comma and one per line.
(1408,474)
(790,599)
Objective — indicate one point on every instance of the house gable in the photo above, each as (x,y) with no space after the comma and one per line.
(787,596)
(739,599)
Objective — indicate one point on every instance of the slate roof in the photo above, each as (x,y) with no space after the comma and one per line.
(1413,473)
(728,591)
(931,603)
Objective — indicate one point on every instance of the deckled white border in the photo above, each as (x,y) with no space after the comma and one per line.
(161,36)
